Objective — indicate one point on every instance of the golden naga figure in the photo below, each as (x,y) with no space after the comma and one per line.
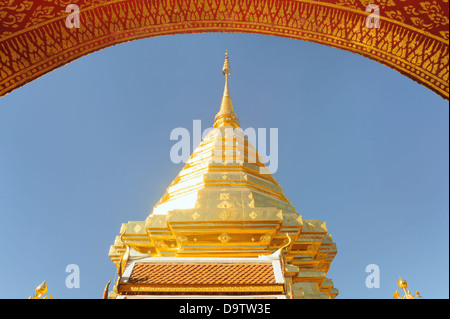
(41,290)
(403,284)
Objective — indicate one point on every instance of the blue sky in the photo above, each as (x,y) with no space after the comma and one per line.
(86,148)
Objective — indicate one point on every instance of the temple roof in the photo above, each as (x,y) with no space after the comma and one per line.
(190,275)
(202,274)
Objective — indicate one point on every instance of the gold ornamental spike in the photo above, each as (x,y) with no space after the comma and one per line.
(226,115)
(226,70)
(124,260)
(42,288)
(403,284)
(105,291)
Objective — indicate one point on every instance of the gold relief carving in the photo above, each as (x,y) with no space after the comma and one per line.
(316,287)
(224,215)
(224,238)
(320,256)
(323,265)
(266,238)
(195,215)
(160,244)
(445,34)
(42,13)
(395,15)
(312,248)
(137,228)
(181,239)
(280,214)
(142,249)
(224,204)
(224,196)
(16,14)
(253,215)
(433,12)
(381,3)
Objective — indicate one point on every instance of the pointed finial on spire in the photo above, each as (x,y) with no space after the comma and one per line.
(226,115)
(226,70)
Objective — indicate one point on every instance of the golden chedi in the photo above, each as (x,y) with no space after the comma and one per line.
(224,228)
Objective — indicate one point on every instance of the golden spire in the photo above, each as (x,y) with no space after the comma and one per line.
(226,115)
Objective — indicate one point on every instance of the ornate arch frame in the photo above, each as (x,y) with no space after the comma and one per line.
(412,37)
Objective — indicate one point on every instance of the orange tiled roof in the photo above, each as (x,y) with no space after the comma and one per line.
(202,274)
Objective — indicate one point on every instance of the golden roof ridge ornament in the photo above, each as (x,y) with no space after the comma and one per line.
(277,253)
(226,115)
(41,290)
(403,284)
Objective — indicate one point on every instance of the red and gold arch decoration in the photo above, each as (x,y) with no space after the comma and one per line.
(413,37)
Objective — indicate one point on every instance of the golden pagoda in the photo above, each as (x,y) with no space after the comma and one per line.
(224,229)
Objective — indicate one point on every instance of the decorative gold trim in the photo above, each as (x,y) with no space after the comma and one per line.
(200,288)
(29,52)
